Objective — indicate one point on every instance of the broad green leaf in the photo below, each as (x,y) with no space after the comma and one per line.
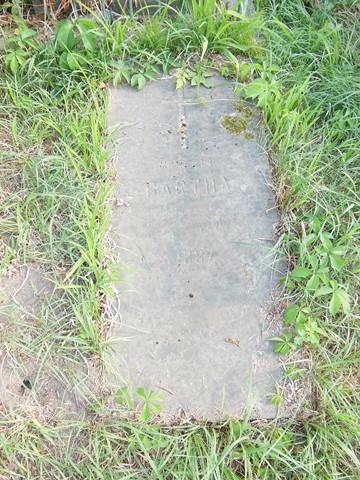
(313,283)
(290,314)
(288,336)
(31,43)
(235,428)
(278,347)
(64,33)
(334,304)
(256,88)
(27,33)
(324,237)
(309,238)
(323,291)
(339,250)
(141,82)
(336,262)
(150,76)
(145,413)
(21,60)
(300,328)
(300,272)
(299,340)
(126,74)
(314,338)
(121,392)
(291,285)
(276,400)
(140,392)
(285,349)
(318,330)
(134,80)
(4,6)
(207,82)
(344,300)
(86,29)
(156,407)
(21,53)
(274,339)
(117,78)
(75,60)
(284,280)
(14,64)
(86,24)
(123,396)
(180,82)
(63,61)
(262,99)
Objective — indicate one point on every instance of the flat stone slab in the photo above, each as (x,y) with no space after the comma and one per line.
(193,226)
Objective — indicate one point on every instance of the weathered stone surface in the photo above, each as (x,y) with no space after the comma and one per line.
(193,222)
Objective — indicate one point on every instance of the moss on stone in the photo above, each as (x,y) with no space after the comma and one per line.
(244,109)
(234,123)
(248,135)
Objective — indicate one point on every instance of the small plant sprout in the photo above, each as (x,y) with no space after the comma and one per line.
(150,403)
(339,297)
(124,397)
(277,397)
(283,343)
(198,76)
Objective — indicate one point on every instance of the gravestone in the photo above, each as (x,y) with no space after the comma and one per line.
(193,225)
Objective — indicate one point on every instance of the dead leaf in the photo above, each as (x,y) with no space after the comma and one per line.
(234,341)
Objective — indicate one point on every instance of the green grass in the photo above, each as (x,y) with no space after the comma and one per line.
(56,186)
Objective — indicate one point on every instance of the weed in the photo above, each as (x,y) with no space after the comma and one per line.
(150,401)
(313,152)
(197,76)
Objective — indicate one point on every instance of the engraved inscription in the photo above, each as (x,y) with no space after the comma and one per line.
(204,186)
(194,257)
(179,163)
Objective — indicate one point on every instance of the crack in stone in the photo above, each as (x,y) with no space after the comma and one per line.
(182,120)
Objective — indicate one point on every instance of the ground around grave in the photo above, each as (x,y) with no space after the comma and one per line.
(63,413)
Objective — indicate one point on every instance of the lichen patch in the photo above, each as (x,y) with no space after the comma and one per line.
(234,123)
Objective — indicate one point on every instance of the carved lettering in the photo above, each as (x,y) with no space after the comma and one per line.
(178,163)
(205,162)
(150,189)
(165,190)
(224,186)
(196,186)
(180,187)
(210,185)
(197,257)
(199,186)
